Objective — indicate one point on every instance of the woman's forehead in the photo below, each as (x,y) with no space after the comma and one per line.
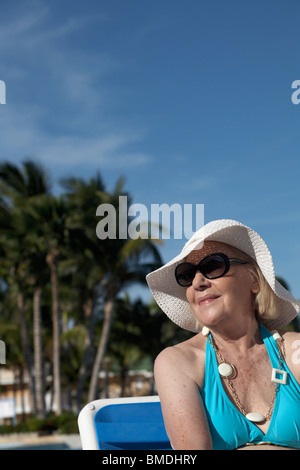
(208,248)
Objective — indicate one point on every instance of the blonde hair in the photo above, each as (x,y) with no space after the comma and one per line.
(265,301)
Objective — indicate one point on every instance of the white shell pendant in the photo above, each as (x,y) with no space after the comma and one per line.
(226,370)
(279,376)
(205,331)
(256,417)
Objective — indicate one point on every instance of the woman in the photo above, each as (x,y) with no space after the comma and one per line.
(236,383)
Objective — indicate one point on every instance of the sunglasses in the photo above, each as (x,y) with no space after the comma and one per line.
(212,267)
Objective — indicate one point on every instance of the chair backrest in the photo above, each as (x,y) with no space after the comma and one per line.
(123,424)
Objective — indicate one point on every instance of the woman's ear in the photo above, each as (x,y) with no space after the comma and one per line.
(255,288)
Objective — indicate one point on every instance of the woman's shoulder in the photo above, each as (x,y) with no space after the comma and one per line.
(291,341)
(193,346)
(292,351)
(290,336)
(184,358)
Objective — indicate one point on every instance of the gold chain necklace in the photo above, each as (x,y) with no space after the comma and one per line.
(228,372)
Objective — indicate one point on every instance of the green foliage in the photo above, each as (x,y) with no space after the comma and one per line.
(49,241)
(55,274)
(66,423)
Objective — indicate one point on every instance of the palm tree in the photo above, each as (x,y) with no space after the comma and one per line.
(38,266)
(45,220)
(84,261)
(126,348)
(18,188)
(122,266)
(140,332)
(104,267)
(44,238)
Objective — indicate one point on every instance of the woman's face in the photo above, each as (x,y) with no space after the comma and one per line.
(230,297)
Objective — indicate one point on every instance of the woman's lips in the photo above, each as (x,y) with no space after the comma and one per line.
(207,299)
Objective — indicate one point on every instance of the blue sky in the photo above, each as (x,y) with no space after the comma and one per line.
(189,100)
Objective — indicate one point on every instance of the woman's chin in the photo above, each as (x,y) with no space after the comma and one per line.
(209,317)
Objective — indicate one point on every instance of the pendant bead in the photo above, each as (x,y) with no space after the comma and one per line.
(205,331)
(227,370)
(276,335)
(279,376)
(256,417)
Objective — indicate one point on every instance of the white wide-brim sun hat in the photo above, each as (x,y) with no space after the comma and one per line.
(171,298)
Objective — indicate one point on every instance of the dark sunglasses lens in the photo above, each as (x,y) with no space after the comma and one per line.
(185,274)
(213,266)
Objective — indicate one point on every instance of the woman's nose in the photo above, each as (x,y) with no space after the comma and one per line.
(200,282)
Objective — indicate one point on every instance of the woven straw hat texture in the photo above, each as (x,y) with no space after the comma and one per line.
(171,297)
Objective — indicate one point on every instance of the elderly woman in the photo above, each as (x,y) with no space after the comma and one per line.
(235,384)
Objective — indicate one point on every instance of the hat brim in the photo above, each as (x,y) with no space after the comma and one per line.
(171,298)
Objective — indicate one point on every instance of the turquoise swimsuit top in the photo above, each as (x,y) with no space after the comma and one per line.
(228,426)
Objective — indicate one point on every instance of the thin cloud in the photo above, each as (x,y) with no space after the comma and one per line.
(21,134)
(58,97)
(105,152)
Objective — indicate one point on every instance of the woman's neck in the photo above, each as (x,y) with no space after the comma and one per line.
(237,338)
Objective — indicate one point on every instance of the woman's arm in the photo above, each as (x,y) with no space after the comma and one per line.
(182,407)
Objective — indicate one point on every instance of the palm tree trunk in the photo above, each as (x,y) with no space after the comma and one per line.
(123,381)
(56,320)
(109,308)
(38,353)
(27,350)
(89,350)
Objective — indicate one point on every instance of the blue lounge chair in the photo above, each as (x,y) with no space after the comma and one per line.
(123,424)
